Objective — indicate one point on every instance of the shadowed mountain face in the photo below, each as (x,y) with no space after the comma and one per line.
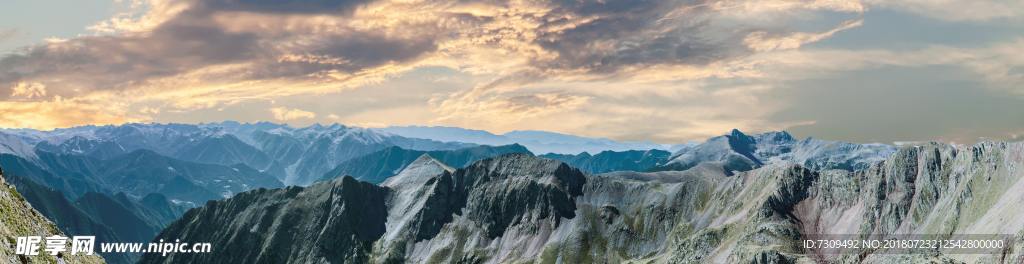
(516,208)
(337,221)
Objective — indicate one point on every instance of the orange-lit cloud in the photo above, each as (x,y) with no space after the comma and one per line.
(28,90)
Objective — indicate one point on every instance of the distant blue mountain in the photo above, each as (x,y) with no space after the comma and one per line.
(378,166)
(535,141)
(608,161)
(138,173)
(296,156)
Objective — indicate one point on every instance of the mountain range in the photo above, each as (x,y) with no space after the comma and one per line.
(608,161)
(540,142)
(378,166)
(125,183)
(456,195)
(737,151)
(518,208)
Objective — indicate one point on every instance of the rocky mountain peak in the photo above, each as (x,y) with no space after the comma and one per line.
(520,165)
(417,172)
(736,133)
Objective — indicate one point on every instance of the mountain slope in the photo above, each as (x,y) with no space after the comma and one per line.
(334,222)
(378,166)
(68,180)
(142,172)
(608,161)
(112,213)
(81,145)
(18,219)
(229,150)
(110,219)
(155,208)
(329,146)
(56,207)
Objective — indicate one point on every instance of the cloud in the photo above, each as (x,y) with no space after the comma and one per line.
(762,41)
(513,108)
(28,90)
(289,114)
(204,36)
(199,54)
(276,6)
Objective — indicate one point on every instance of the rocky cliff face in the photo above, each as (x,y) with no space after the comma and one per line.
(17,218)
(522,209)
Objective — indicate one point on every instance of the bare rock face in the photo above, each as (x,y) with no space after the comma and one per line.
(523,209)
(18,219)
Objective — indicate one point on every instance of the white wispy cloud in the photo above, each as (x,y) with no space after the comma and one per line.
(290,114)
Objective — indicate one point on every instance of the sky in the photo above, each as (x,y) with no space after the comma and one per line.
(667,71)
